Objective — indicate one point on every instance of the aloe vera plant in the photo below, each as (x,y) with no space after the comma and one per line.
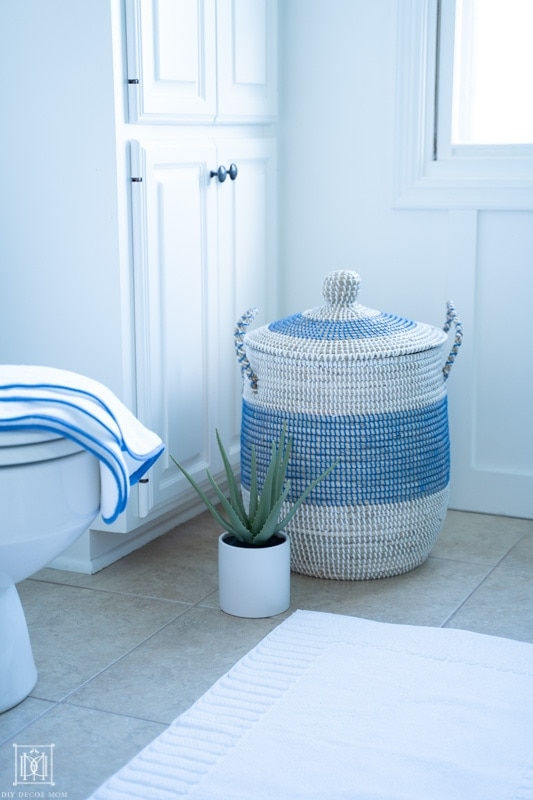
(261,521)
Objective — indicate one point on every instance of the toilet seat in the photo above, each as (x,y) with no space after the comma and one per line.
(29,446)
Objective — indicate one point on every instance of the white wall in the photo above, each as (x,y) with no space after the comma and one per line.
(58,204)
(337,90)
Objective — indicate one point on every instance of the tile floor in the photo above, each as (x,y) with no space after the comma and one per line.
(121,653)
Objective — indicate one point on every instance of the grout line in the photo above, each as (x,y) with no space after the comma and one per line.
(515,545)
(124,655)
(463,561)
(480,584)
(65,700)
(127,653)
(164,724)
(465,600)
(101,590)
(53,704)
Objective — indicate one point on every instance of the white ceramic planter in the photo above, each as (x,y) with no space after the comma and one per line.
(254,581)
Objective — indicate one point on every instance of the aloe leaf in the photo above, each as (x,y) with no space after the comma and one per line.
(267,532)
(277,457)
(297,503)
(274,485)
(235,524)
(265,499)
(266,492)
(284,454)
(270,526)
(209,505)
(254,494)
(234,489)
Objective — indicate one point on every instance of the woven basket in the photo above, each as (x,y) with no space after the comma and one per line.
(368,389)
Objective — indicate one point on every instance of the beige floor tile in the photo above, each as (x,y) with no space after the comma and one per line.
(501,606)
(424,596)
(22,715)
(181,565)
(88,747)
(480,538)
(75,633)
(211,601)
(521,556)
(163,677)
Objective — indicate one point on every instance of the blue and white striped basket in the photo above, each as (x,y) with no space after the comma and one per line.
(366,388)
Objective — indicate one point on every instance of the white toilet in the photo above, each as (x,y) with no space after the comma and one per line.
(49,495)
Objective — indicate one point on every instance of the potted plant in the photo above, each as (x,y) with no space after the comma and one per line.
(254,550)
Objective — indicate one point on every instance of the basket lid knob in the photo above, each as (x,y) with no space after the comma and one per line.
(341,288)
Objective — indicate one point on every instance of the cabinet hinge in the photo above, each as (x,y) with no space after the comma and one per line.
(136,180)
(133,81)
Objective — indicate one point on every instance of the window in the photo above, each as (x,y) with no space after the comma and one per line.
(464,133)
(492,81)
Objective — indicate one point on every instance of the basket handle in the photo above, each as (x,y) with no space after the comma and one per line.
(242,358)
(452,318)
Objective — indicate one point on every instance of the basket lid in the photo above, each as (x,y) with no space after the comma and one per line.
(344,328)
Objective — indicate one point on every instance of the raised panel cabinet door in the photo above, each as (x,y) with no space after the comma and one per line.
(247,60)
(247,261)
(171,55)
(176,310)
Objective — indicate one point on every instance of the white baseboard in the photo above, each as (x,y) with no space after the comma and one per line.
(95,550)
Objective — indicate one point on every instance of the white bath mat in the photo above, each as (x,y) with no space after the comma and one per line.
(329,707)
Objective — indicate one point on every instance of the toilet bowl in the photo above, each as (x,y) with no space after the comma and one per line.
(49,495)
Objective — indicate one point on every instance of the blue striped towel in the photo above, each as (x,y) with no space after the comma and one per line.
(81,409)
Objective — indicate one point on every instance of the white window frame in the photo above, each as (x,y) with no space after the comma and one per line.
(481,177)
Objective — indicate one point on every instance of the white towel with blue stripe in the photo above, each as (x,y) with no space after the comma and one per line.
(84,410)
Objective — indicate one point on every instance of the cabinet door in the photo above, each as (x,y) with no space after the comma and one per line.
(179,51)
(247,261)
(174,213)
(246,60)
(171,56)
(204,252)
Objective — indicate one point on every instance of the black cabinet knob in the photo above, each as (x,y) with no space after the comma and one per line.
(222,173)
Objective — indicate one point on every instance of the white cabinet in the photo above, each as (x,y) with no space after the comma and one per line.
(164,266)
(204,252)
(200,61)
(246,60)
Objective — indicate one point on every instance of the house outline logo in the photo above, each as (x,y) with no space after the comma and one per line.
(34,764)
